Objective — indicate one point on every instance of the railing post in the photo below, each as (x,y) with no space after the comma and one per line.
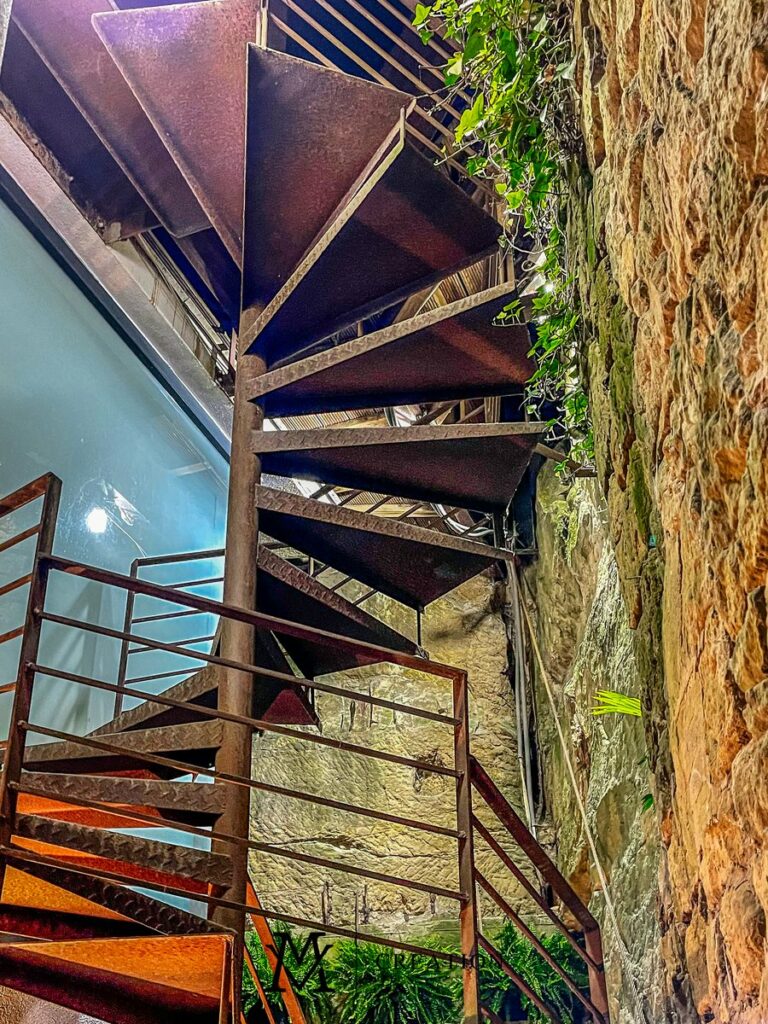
(598,992)
(468,912)
(30,645)
(130,600)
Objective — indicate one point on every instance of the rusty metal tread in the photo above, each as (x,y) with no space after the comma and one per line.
(196,741)
(451,352)
(196,688)
(126,980)
(151,913)
(184,861)
(179,799)
(286,591)
(420,225)
(477,466)
(62,33)
(186,65)
(412,564)
(60,926)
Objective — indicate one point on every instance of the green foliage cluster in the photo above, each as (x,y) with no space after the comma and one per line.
(611,702)
(372,984)
(515,57)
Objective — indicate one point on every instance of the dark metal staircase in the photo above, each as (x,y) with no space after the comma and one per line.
(315,186)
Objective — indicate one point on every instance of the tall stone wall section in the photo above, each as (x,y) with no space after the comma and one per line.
(670,247)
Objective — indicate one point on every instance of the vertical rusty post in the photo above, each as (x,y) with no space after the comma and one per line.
(238,638)
(468,912)
(30,645)
(130,599)
(598,991)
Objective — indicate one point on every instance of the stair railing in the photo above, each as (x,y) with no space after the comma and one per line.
(591,953)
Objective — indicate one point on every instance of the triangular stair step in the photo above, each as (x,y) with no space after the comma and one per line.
(186,66)
(192,743)
(409,563)
(60,926)
(287,592)
(125,980)
(449,353)
(144,859)
(477,466)
(56,887)
(194,803)
(294,108)
(62,33)
(404,227)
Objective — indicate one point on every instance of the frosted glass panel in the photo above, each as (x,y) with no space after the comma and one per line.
(139,478)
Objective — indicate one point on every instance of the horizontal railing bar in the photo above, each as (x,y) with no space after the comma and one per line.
(19,854)
(520,982)
(509,818)
(371,652)
(165,615)
(20,538)
(255,723)
(187,556)
(488,1013)
(11,634)
(181,644)
(16,584)
(191,669)
(518,922)
(7,687)
(194,583)
(213,659)
(540,902)
(24,495)
(240,780)
(250,844)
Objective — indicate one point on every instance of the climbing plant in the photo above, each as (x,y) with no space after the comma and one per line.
(515,58)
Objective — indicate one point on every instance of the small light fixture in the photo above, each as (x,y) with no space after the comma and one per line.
(97,520)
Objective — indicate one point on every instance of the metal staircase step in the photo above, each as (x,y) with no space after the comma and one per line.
(62,33)
(410,563)
(149,857)
(59,926)
(448,353)
(288,592)
(194,743)
(403,228)
(476,466)
(295,108)
(54,886)
(190,802)
(201,49)
(125,980)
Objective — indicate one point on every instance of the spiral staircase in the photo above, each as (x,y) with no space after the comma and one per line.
(304,197)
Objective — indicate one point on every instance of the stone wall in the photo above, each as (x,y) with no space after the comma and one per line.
(586,645)
(466,629)
(670,238)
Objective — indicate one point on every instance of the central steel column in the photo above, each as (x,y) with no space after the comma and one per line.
(238,638)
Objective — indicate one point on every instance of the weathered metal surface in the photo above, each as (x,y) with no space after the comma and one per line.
(67,145)
(59,926)
(451,352)
(199,688)
(310,133)
(186,65)
(148,854)
(287,591)
(409,563)
(478,466)
(127,980)
(419,225)
(62,33)
(157,916)
(196,741)
(185,801)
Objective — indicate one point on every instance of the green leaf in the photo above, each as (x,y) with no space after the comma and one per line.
(475,44)
(470,118)
(421,13)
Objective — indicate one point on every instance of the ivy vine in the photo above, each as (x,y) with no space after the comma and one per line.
(515,58)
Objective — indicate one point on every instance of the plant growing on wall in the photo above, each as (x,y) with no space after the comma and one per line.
(515,58)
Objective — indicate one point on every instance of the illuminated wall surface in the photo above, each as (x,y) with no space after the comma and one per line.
(138,478)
